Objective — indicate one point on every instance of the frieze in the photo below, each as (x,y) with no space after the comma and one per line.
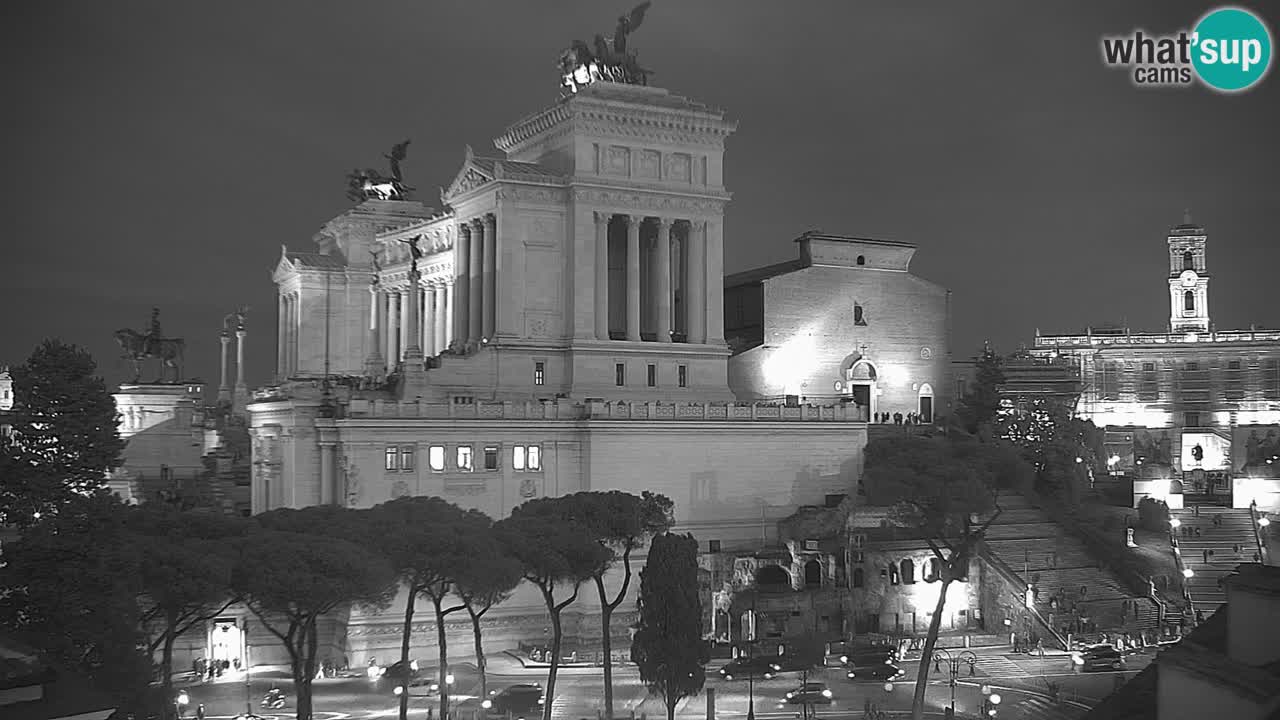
(461,488)
(537,327)
(532,194)
(649,201)
(647,164)
(647,135)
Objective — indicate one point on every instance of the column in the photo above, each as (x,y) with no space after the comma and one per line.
(412,321)
(428,321)
(715,281)
(329,491)
(602,276)
(449,314)
(224,390)
(490,293)
(374,359)
(389,322)
(441,315)
(240,335)
(696,297)
(402,298)
(633,277)
(291,366)
(282,336)
(461,294)
(475,289)
(662,286)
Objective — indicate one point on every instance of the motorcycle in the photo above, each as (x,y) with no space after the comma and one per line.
(273,700)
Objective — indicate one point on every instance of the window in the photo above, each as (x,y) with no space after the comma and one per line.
(1193,367)
(1189,303)
(1188,260)
(526,457)
(619,374)
(1193,420)
(1235,386)
(1233,365)
(539,373)
(1271,379)
(859,318)
(893,574)
(464,458)
(935,570)
(682,376)
(1109,385)
(406,457)
(491,458)
(713,546)
(859,578)
(652,377)
(435,458)
(1149,383)
(908,572)
(1148,367)
(393,458)
(862,259)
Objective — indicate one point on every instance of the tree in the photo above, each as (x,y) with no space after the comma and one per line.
(668,646)
(64,439)
(947,491)
(489,579)
(622,523)
(70,585)
(290,579)
(1051,439)
(980,405)
(428,542)
(185,561)
(552,552)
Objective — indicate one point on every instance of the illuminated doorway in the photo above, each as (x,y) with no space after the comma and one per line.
(860,384)
(926,403)
(226,642)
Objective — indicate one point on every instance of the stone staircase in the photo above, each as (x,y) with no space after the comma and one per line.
(1058,566)
(1235,528)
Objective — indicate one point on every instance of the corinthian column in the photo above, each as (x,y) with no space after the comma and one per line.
(440,322)
(240,335)
(461,294)
(602,276)
(403,297)
(373,363)
(282,339)
(475,272)
(633,277)
(224,390)
(413,325)
(696,297)
(715,281)
(662,286)
(490,274)
(428,322)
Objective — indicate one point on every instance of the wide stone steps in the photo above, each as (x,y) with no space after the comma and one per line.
(1035,554)
(1234,528)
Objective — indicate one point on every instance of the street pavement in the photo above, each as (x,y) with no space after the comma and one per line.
(1022,681)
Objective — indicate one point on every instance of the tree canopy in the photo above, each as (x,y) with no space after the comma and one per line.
(668,647)
(64,440)
(981,403)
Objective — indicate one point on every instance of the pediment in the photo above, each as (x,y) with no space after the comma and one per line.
(470,177)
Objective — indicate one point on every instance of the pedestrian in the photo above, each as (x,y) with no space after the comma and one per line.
(1204,555)
(1210,553)
(1197,509)
(1197,531)
(200,711)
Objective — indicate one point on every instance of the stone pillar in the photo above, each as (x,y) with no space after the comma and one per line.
(662,284)
(490,274)
(438,324)
(633,277)
(241,388)
(602,275)
(475,294)
(373,362)
(450,313)
(330,493)
(428,321)
(282,338)
(715,282)
(696,296)
(461,295)
(412,323)
(402,298)
(224,390)
(291,335)
(389,322)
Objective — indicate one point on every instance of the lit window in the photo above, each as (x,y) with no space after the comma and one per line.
(406,457)
(620,374)
(435,457)
(653,376)
(393,456)
(1233,365)
(517,457)
(535,458)
(539,373)
(682,376)
(858,317)
(464,458)
(491,458)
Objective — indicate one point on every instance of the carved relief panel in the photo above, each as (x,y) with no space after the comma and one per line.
(647,164)
(679,167)
(619,161)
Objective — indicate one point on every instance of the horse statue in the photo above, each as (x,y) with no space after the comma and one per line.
(369,184)
(138,347)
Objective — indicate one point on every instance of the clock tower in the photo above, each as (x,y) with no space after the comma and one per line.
(1188,279)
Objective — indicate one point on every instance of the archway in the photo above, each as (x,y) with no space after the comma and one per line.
(926,403)
(813,574)
(772,575)
(860,383)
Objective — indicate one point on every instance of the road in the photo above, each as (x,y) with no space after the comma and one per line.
(1021,681)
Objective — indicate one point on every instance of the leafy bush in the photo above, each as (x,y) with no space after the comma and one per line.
(1153,514)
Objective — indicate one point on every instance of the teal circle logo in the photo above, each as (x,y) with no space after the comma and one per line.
(1231,49)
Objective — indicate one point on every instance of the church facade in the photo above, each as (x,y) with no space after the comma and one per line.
(557,327)
(1193,409)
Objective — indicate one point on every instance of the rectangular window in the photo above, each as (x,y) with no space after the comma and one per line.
(517,457)
(1193,367)
(1148,367)
(1109,381)
(1149,385)
(435,457)
(406,457)
(526,457)
(619,374)
(1193,420)
(1271,379)
(393,458)
(491,458)
(464,458)
(1233,365)
(682,376)
(652,378)
(713,546)
(534,458)
(539,373)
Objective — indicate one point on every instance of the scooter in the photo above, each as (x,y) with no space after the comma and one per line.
(273,700)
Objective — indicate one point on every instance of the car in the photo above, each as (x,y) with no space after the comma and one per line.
(862,657)
(743,668)
(810,694)
(520,701)
(1098,657)
(878,672)
(431,686)
(398,670)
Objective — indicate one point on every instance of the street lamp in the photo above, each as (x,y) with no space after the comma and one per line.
(181,701)
(953,666)
(989,701)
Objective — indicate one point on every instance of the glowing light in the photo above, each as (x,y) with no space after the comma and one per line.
(1188,573)
(448,679)
(894,374)
(1263,522)
(1175,523)
(995,698)
(792,364)
(486,704)
(888,687)
(183,698)
(398,690)
(1113,459)
(1079,460)
(413,665)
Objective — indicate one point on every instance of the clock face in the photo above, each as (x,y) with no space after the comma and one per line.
(1189,278)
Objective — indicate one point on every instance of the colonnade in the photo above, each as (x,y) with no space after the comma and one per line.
(390,319)
(287,337)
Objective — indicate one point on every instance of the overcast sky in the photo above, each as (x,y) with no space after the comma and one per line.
(159,153)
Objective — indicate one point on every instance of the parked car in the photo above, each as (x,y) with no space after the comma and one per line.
(521,701)
(810,694)
(1098,657)
(878,672)
(742,668)
(864,656)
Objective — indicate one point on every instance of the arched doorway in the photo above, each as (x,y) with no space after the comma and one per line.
(813,574)
(860,384)
(772,575)
(926,403)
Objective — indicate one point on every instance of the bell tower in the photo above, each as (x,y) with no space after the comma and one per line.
(1188,278)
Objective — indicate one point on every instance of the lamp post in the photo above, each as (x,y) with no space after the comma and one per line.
(953,666)
(445,692)
(989,701)
(248,703)
(180,702)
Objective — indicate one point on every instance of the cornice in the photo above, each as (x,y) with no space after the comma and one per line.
(655,200)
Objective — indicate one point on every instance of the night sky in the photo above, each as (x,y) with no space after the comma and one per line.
(159,153)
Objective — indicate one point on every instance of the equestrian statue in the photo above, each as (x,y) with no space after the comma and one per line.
(152,346)
(607,58)
(369,184)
